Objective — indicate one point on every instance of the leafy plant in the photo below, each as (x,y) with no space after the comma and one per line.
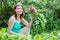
(46,19)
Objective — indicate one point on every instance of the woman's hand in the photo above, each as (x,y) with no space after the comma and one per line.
(32,9)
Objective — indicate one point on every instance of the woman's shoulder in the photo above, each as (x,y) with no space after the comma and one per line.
(12,18)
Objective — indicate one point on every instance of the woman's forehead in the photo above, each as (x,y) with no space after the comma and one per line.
(19,7)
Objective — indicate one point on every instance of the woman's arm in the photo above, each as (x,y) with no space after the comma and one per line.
(28,24)
(32,10)
(10,25)
(31,20)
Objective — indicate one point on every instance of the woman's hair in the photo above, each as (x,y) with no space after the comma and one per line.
(21,15)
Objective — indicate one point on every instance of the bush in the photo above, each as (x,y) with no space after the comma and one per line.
(47,19)
(55,35)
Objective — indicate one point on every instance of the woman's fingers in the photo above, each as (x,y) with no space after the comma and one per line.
(31,8)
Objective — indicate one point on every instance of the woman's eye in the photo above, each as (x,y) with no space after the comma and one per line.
(19,8)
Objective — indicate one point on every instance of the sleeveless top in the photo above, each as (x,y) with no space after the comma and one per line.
(16,27)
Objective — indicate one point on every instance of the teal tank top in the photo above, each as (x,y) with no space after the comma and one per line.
(16,27)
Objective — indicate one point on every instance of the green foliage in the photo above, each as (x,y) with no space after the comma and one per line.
(55,35)
(47,16)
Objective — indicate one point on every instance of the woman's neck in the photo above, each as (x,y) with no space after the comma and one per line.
(18,16)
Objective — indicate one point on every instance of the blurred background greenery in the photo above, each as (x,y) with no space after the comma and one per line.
(47,20)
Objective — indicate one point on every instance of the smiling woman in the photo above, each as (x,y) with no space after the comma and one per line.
(14,25)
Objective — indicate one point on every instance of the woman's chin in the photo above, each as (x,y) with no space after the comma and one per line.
(20,13)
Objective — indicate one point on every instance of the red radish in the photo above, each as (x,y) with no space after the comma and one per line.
(31,8)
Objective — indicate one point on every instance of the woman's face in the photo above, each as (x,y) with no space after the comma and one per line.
(19,10)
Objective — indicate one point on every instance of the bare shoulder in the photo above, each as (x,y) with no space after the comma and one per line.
(12,19)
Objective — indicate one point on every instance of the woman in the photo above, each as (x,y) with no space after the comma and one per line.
(14,25)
